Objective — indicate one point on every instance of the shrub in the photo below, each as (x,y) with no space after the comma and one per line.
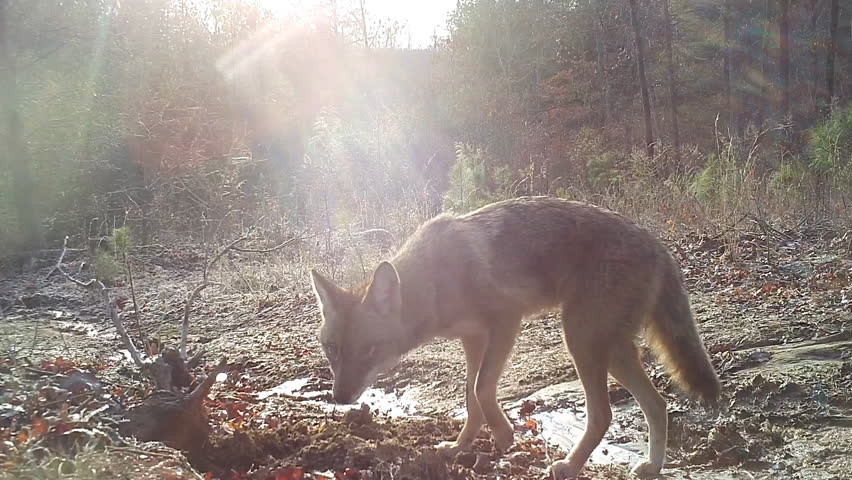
(728,177)
(475,181)
(601,170)
(107,268)
(831,149)
(123,240)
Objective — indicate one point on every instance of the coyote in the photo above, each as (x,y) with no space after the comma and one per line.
(474,277)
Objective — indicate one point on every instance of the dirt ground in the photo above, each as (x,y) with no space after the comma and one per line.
(775,313)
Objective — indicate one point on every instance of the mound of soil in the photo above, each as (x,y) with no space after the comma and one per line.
(360,445)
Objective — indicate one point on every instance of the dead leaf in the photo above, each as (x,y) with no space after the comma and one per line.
(527,408)
(39,427)
(289,473)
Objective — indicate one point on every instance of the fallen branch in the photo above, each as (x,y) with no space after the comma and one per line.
(136,313)
(97,286)
(200,392)
(61,258)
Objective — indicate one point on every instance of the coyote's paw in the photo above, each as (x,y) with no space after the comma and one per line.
(448,449)
(503,437)
(646,469)
(564,470)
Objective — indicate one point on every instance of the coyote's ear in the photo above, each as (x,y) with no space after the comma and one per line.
(325,291)
(383,294)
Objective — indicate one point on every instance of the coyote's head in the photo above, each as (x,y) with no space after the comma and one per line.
(360,330)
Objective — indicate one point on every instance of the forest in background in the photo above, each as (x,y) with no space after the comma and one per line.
(191,120)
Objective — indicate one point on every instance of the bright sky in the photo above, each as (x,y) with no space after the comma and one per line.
(422,18)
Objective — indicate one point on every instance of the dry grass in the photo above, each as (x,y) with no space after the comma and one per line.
(136,460)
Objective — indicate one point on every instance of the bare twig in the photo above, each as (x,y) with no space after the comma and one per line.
(35,335)
(200,288)
(730,227)
(360,255)
(136,313)
(195,360)
(203,388)
(111,307)
(58,262)
(58,267)
(281,245)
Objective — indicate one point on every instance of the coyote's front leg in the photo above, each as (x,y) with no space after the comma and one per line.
(474,350)
(501,339)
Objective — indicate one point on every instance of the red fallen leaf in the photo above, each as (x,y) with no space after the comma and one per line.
(289,473)
(59,365)
(527,408)
(348,474)
(208,476)
(532,425)
(39,426)
(23,437)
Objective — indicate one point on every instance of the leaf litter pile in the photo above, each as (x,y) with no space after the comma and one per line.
(774,310)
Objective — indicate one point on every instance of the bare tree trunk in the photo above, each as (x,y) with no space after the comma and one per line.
(643,82)
(784,60)
(764,64)
(364,25)
(672,80)
(600,52)
(817,93)
(833,40)
(15,152)
(730,104)
(843,53)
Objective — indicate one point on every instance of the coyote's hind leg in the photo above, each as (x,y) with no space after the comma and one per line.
(589,352)
(626,367)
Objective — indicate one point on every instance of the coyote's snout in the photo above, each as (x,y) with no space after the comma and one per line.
(474,277)
(360,331)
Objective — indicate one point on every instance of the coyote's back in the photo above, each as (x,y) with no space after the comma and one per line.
(542,252)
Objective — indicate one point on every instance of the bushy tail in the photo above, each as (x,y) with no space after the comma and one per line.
(673,336)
